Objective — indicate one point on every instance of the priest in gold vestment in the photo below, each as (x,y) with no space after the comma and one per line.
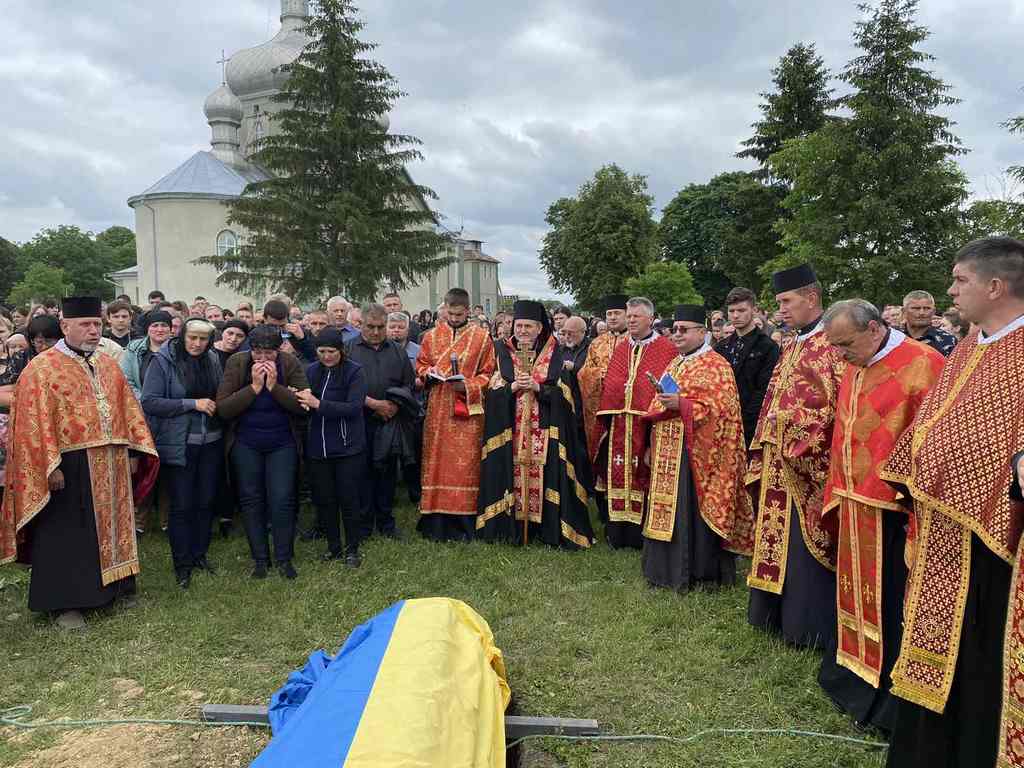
(953,465)
(888,377)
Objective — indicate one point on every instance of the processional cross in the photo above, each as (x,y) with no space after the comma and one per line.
(525,358)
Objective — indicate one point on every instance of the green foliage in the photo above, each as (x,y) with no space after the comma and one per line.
(1015,125)
(875,199)
(795,109)
(666,284)
(86,260)
(341,214)
(993,217)
(600,238)
(723,231)
(10,266)
(40,282)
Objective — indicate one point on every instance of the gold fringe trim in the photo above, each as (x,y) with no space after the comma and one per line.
(119,572)
(572,535)
(496,442)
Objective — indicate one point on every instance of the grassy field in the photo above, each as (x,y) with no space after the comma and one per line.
(582,634)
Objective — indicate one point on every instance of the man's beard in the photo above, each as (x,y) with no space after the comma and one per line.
(89,346)
(457,325)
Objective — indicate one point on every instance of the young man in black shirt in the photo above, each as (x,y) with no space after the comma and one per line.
(752,355)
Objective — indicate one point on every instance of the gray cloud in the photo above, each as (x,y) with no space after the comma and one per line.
(517,103)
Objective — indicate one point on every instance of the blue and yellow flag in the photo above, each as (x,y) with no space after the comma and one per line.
(420,684)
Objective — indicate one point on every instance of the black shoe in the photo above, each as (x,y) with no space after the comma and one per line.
(353,560)
(328,556)
(205,565)
(287,570)
(183,576)
(259,571)
(313,534)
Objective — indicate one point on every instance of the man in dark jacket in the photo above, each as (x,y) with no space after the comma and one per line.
(751,354)
(385,365)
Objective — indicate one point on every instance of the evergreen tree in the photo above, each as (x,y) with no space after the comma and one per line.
(796,108)
(341,214)
(875,198)
(600,238)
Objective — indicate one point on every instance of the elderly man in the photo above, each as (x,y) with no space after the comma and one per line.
(622,435)
(398,332)
(918,316)
(393,303)
(886,381)
(386,368)
(698,514)
(575,343)
(338,309)
(69,508)
(953,463)
(792,575)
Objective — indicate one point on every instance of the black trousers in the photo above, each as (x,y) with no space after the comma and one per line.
(193,490)
(966,734)
(266,493)
(335,484)
(377,497)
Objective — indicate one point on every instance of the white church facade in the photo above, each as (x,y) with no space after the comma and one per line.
(183,216)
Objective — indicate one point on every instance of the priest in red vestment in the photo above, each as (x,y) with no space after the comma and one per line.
(1011,738)
(591,378)
(622,432)
(792,572)
(886,381)
(76,436)
(698,513)
(953,465)
(455,362)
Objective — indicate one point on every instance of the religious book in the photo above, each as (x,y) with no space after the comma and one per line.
(439,377)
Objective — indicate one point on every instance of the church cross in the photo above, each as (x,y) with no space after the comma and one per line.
(223,61)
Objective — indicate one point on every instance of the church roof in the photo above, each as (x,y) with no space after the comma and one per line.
(203,176)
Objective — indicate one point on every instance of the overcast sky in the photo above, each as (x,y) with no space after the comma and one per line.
(517,103)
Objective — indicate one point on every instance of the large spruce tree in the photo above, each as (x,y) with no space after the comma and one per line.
(341,213)
(875,197)
(797,107)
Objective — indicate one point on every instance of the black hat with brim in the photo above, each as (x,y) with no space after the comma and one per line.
(793,279)
(691,313)
(81,306)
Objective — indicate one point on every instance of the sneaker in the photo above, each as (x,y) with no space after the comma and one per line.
(71,620)
(353,560)
(205,565)
(287,570)
(183,576)
(328,556)
(259,571)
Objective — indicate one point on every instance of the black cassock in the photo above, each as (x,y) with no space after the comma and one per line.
(565,517)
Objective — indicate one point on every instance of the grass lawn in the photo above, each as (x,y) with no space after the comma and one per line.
(582,634)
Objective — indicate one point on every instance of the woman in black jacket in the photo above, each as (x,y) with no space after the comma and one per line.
(336,442)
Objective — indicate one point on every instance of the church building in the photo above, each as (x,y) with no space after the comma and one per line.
(183,216)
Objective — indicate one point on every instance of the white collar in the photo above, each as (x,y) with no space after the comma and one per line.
(643,342)
(698,352)
(895,339)
(1006,330)
(816,329)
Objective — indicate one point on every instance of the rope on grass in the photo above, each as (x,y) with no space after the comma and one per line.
(16,717)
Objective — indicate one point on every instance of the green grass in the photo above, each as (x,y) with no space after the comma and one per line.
(582,633)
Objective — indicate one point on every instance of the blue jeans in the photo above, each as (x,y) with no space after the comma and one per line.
(265,483)
(192,490)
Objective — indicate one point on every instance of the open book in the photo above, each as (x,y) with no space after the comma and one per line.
(439,377)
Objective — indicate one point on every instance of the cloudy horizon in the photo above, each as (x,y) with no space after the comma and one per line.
(516,104)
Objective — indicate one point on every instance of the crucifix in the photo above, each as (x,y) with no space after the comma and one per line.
(223,61)
(525,358)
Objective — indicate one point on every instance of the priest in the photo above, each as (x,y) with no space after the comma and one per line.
(698,514)
(455,363)
(953,463)
(1011,737)
(535,473)
(622,432)
(888,377)
(792,572)
(68,509)
(591,378)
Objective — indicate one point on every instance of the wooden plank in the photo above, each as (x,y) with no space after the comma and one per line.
(516,726)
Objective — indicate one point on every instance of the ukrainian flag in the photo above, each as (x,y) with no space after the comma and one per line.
(420,684)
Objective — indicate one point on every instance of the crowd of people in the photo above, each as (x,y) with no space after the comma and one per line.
(866,460)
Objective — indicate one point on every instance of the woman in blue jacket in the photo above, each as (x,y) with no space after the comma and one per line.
(178,399)
(336,442)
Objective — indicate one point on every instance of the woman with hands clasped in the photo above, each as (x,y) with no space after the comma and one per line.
(259,399)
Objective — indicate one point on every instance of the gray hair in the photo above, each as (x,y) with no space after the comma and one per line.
(398,317)
(641,301)
(198,325)
(373,310)
(918,296)
(860,312)
(338,300)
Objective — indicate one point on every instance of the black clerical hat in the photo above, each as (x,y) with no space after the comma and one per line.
(81,306)
(794,278)
(530,310)
(691,313)
(614,301)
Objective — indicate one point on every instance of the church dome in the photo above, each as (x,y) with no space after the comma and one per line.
(222,104)
(264,67)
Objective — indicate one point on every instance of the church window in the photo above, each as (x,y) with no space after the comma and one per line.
(227,241)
